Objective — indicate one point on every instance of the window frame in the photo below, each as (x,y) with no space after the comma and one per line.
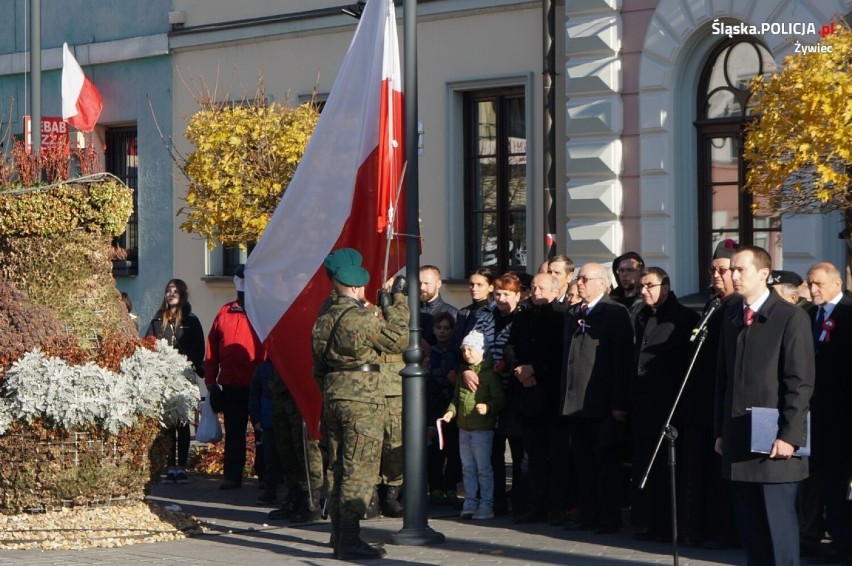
(129,239)
(724,127)
(501,95)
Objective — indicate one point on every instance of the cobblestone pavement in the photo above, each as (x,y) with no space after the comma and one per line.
(239,533)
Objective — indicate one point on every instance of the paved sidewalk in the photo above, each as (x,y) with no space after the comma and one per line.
(240,534)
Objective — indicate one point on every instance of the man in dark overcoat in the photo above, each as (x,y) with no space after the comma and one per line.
(704,500)
(535,346)
(594,394)
(663,351)
(831,461)
(766,359)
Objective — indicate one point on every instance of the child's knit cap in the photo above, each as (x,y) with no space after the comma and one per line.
(475,340)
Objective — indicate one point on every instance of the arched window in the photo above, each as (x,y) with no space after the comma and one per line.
(724,109)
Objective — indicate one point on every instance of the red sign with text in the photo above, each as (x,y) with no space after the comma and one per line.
(54,132)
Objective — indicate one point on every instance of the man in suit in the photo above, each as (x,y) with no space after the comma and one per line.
(594,395)
(704,503)
(809,505)
(831,463)
(765,360)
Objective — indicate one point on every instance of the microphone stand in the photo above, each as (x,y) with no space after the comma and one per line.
(670,433)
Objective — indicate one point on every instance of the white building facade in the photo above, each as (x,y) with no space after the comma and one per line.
(650,106)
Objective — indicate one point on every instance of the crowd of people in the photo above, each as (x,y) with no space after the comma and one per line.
(590,374)
(577,378)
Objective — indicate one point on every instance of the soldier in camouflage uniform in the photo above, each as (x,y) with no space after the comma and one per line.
(347,343)
(304,480)
(392,465)
(300,477)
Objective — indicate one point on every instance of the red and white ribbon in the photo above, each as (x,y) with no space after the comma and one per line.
(827,327)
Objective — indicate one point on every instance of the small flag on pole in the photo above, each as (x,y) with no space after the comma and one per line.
(81,101)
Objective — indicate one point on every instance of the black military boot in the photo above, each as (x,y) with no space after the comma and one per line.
(286,508)
(306,509)
(335,532)
(390,501)
(349,544)
(373,507)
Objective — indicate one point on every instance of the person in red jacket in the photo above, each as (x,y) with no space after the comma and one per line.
(233,353)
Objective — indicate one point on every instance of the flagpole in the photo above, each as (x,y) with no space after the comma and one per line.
(415,528)
(35,77)
(549,76)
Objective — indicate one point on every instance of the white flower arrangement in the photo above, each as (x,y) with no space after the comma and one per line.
(159,384)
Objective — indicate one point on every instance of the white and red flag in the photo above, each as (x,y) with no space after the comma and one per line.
(343,194)
(81,101)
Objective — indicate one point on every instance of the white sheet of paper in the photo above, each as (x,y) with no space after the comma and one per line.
(438,424)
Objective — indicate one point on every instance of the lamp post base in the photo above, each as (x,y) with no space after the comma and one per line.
(424,536)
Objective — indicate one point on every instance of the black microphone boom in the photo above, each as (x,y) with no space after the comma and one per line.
(712,307)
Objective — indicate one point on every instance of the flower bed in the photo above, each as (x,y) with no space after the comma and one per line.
(81,434)
(82,400)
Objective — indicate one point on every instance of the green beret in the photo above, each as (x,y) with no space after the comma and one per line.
(342,257)
(352,275)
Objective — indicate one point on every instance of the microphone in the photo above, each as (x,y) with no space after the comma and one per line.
(712,307)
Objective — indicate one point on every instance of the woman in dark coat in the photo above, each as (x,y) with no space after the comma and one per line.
(176,324)
(481,286)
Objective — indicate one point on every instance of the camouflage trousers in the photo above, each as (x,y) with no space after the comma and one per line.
(287,424)
(354,431)
(393,463)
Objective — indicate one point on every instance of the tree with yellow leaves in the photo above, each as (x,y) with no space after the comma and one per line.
(799,148)
(246,154)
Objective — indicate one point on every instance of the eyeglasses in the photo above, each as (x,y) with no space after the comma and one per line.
(627,270)
(720,270)
(650,286)
(583,279)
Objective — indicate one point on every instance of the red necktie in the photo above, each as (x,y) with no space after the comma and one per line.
(748,317)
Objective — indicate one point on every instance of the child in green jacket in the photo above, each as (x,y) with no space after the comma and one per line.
(477,416)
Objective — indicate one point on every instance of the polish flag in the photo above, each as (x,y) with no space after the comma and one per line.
(345,193)
(81,101)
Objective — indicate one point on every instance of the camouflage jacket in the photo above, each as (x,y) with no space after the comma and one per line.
(391,381)
(391,365)
(361,338)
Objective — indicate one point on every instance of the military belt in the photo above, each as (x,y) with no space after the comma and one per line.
(387,358)
(365,367)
